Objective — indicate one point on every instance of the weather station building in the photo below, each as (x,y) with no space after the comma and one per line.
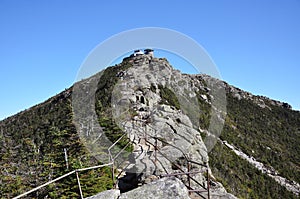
(148,51)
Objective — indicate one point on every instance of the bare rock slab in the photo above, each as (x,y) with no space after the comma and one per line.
(109,194)
(167,188)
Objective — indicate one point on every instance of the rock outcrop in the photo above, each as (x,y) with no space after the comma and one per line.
(261,101)
(158,108)
(109,194)
(167,188)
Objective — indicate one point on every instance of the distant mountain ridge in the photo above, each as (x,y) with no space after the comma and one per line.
(33,141)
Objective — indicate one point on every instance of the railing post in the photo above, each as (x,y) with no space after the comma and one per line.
(78,181)
(189,169)
(146,134)
(155,153)
(113,171)
(208,196)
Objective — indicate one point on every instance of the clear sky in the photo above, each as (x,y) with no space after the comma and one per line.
(254,43)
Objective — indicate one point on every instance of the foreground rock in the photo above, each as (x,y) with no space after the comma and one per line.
(167,188)
(110,194)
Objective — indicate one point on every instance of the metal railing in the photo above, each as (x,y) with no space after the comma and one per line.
(76,171)
(189,162)
(112,163)
(63,176)
(188,173)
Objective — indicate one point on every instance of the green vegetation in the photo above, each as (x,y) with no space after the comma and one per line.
(205,112)
(269,135)
(241,178)
(104,91)
(168,97)
(32,153)
(33,144)
(108,80)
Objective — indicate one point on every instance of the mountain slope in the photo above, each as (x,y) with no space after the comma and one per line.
(35,142)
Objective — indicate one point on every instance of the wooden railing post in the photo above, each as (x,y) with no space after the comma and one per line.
(78,181)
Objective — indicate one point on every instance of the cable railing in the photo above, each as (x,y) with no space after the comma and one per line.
(112,163)
(188,173)
(189,162)
(76,171)
(63,176)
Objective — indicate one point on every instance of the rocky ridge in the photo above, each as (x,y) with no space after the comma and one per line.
(155,105)
(155,121)
(163,134)
(261,101)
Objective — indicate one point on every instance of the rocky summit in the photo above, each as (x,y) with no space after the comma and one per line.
(161,134)
(165,139)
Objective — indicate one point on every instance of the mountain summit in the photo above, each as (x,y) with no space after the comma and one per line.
(160,128)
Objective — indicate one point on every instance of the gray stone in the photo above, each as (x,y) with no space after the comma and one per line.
(109,194)
(174,127)
(166,188)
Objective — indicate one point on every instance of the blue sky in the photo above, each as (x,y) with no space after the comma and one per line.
(254,43)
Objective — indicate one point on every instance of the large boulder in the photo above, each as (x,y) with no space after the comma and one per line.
(167,188)
(109,194)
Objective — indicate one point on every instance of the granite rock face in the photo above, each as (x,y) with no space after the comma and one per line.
(167,188)
(164,132)
(109,194)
